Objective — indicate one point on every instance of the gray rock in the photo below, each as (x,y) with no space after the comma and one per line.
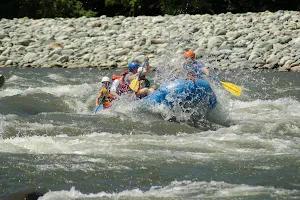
(214,41)
(87,57)
(62,38)
(56,64)
(272,65)
(3,34)
(120,52)
(158,19)
(63,58)
(258,60)
(220,32)
(252,57)
(102,56)
(55,51)
(8,62)
(279,46)
(285,39)
(272,59)
(70,46)
(80,35)
(241,43)
(91,59)
(295,68)
(6,51)
(139,58)
(232,35)
(287,65)
(158,41)
(296,63)
(257,40)
(25,42)
(226,51)
(128,44)
(225,47)
(54,57)
(67,52)
(283,60)
(30,57)
(98,49)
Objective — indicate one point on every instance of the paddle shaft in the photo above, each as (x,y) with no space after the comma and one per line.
(100,102)
(230,87)
(199,70)
(143,67)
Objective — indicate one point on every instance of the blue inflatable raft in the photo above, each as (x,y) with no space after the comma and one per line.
(180,91)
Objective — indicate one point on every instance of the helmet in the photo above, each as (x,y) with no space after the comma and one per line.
(189,54)
(133,65)
(124,73)
(105,79)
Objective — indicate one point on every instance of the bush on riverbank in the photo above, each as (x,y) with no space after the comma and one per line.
(77,8)
(43,9)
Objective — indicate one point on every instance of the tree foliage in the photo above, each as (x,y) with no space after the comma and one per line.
(174,7)
(77,8)
(43,8)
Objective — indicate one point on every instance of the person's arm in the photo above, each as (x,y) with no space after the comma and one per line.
(203,68)
(144,70)
(131,77)
(147,66)
(98,98)
(114,88)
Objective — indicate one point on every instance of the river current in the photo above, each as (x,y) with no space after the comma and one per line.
(50,140)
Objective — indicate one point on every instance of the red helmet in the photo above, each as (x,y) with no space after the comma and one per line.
(189,54)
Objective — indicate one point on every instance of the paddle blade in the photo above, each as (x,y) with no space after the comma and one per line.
(99,108)
(134,85)
(233,89)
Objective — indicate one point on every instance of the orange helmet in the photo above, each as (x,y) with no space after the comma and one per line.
(189,54)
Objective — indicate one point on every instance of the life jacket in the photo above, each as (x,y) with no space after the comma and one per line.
(114,77)
(192,69)
(106,99)
(123,86)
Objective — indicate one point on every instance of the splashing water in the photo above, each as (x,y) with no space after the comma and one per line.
(50,140)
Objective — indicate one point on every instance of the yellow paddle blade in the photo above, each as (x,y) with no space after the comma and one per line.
(134,85)
(233,89)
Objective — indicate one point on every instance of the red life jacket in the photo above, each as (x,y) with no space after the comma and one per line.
(123,87)
(114,77)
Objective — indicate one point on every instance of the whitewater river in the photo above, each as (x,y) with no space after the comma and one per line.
(50,141)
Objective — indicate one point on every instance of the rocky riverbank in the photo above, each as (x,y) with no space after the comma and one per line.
(226,41)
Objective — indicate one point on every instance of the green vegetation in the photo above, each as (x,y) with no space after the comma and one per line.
(43,8)
(89,8)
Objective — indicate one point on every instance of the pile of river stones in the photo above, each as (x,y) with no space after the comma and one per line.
(265,40)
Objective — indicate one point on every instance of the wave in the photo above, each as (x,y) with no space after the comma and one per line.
(181,190)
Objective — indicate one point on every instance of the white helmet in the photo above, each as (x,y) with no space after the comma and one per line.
(105,79)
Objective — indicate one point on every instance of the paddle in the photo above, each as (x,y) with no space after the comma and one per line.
(230,87)
(2,80)
(100,107)
(134,85)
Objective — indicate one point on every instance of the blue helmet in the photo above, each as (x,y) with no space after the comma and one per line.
(133,65)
